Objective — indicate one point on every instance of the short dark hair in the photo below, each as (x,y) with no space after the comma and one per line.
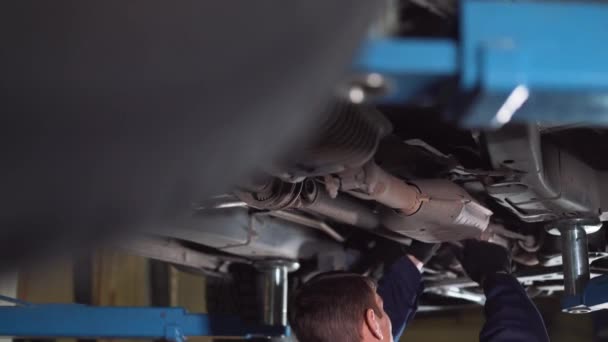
(331,307)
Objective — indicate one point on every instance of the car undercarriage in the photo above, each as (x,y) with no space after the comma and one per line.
(371,177)
(372,180)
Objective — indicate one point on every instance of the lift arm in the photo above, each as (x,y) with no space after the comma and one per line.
(81,321)
(522,61)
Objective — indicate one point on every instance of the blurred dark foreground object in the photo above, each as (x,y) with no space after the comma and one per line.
(119,114)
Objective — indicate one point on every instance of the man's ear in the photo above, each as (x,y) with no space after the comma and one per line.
(372,324)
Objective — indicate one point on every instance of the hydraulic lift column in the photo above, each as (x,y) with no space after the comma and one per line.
(575,255)
(272,284)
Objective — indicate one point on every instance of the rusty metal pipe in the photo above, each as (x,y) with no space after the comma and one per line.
(448,213)
(342,208)
(390,190)
(308,222)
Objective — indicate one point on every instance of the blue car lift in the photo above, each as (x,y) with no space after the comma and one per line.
(523,61)
(528,61)
(82,321)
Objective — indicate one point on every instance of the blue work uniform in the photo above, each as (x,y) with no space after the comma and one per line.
(510,314)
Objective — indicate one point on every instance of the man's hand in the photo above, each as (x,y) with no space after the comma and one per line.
(481,259)
(420,252)
(419,264)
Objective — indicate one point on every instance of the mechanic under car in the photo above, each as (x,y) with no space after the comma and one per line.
(343,306)
(178,169)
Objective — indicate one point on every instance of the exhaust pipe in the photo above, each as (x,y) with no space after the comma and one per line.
(373,183)
(426,210)
(342,208)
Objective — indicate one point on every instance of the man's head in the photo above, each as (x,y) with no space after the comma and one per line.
(339,307)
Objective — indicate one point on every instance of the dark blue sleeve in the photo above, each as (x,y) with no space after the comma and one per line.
(399,289)
(510,314)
